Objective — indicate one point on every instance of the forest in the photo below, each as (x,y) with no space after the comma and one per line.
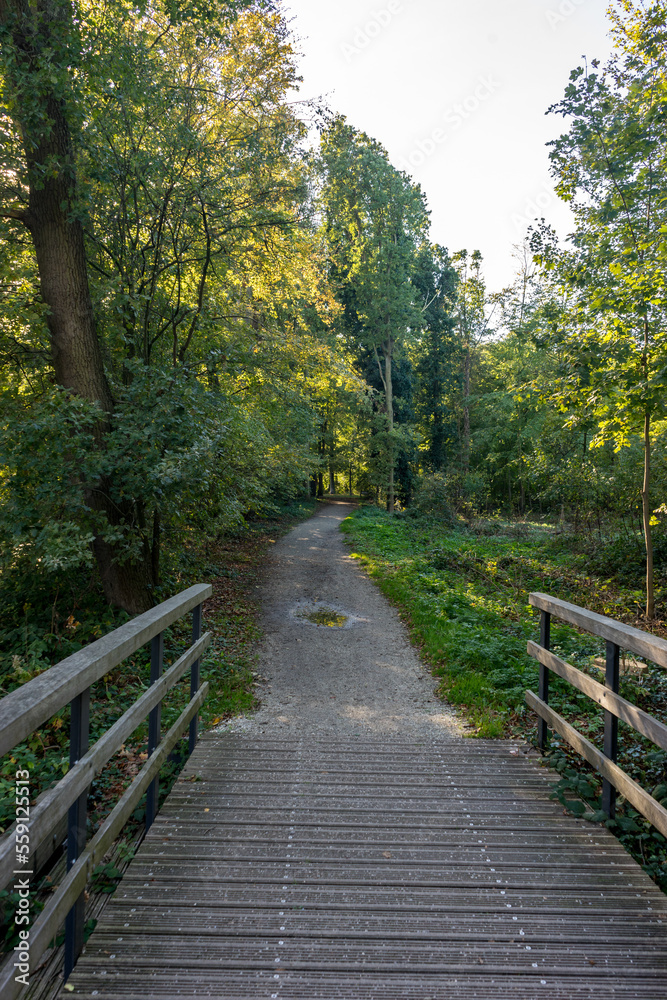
(216,298)
(220,303)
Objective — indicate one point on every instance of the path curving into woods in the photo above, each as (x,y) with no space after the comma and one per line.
(361,677)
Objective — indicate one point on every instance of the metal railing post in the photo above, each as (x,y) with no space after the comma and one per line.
(194,676)
(154,722)
(545,640)
(76,827)
(611,680)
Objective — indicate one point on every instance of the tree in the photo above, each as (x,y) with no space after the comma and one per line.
(41,49)
(473,324)
(152,160)
(611,166)
(376,222)
(437,354)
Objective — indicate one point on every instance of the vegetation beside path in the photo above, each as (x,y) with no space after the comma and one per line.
(463,592)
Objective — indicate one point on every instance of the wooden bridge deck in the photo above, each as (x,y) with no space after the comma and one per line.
(304,869)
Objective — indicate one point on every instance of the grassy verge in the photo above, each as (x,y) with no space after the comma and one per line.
(464,596)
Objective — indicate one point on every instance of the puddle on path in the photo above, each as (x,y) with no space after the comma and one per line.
(324,615)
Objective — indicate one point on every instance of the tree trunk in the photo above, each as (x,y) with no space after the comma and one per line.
(155,547)
(387,349)
(646,488)
(466,410)
(522,484)
(509,489)
(332,457)
(52,218)
(646,514)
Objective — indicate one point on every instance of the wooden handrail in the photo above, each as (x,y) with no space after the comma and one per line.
(633,792)
(54,804)
(30,706)
(617,636)
(625,636)
(74,883)
(24,710)
(640,721)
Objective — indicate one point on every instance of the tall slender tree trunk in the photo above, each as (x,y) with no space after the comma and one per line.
(332,457)
(38,28)
(155,546)
(466,409)
(322,450)
(646,489)
(388,348)
(646,514)
(522,482)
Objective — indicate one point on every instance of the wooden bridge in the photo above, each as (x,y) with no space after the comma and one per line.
(305,870)
(308,869)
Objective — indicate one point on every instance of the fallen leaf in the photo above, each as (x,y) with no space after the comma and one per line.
(386,854)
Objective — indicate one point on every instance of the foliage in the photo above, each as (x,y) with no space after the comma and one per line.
(185,175)
(376,224)
(611,166)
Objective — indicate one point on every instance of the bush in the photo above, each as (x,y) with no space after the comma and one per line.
(444,495)
(432,498)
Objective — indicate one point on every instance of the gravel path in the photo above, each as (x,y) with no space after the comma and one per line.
(363,677)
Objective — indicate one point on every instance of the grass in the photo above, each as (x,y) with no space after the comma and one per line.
(463,593)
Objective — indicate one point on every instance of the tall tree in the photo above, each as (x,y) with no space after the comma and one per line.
(111,122)
(376,221)
(473,323)
(41,54)
(437,354)
(611,166)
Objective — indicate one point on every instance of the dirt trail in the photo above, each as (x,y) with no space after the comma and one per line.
(362,678)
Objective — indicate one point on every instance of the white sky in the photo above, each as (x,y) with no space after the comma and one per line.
(457,92)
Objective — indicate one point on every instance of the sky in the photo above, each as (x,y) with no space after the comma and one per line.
(457,92)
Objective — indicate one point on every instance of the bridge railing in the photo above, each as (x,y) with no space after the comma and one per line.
(34,703)
(617,636)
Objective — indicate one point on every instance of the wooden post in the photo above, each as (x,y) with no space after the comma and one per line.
(154,722)
(76,827)
(194,677)
(612,677)
(545,639)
